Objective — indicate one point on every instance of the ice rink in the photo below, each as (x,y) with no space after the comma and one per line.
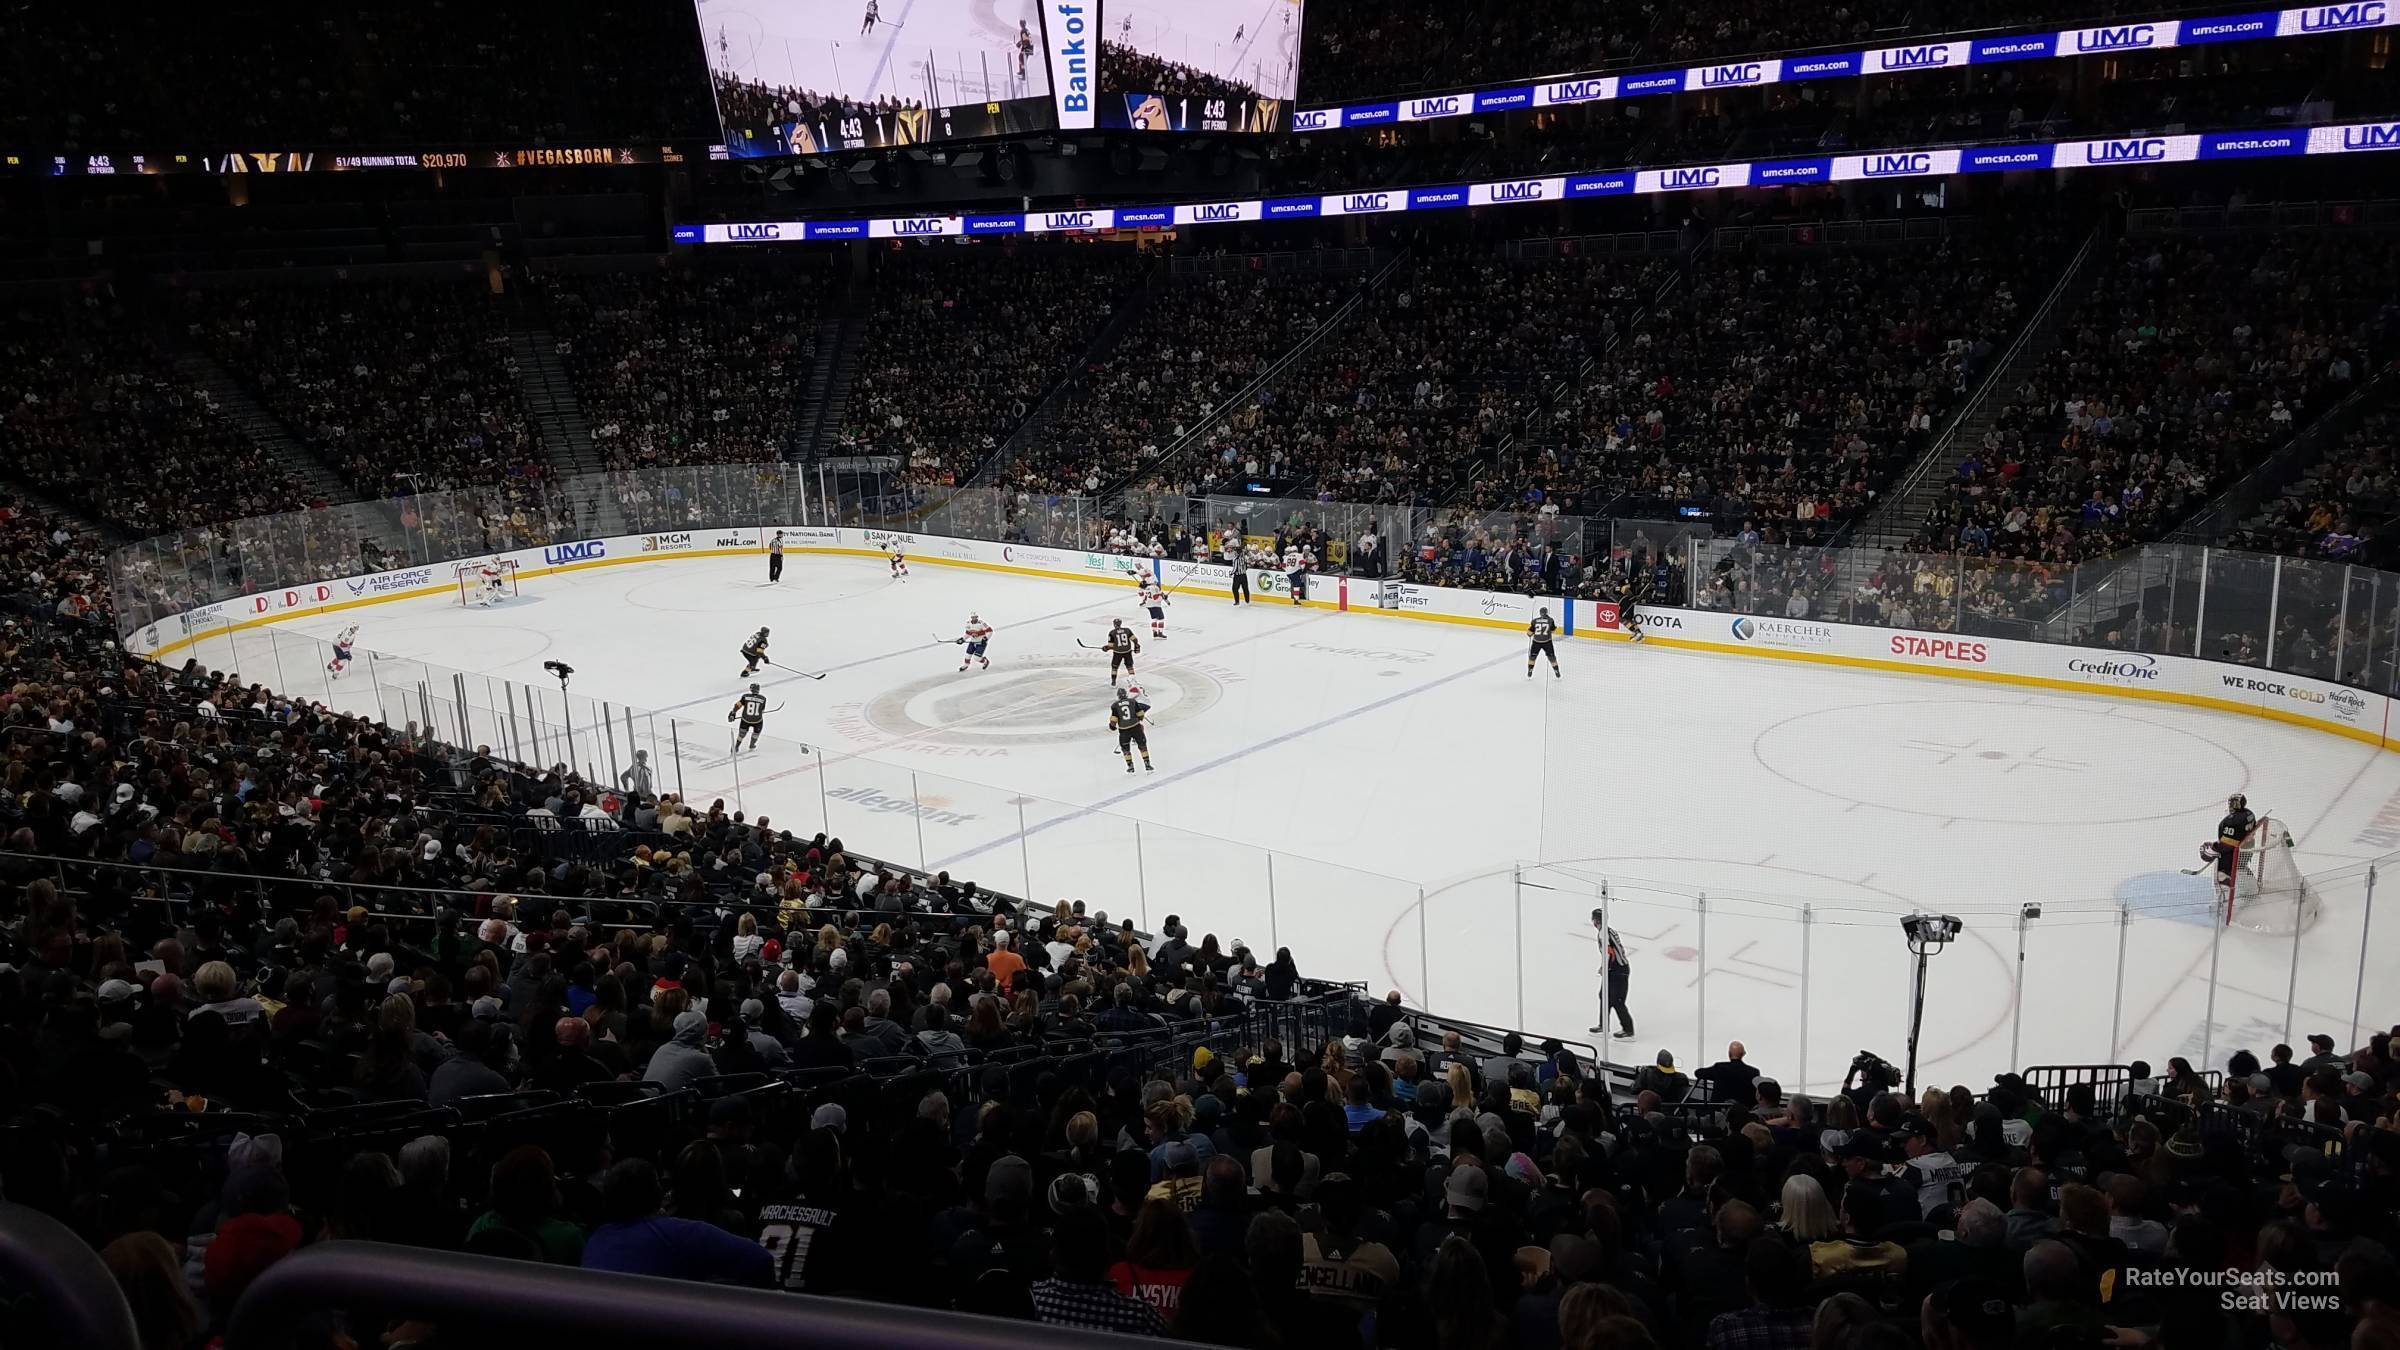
(1256,42)
(935,51)
(1399,804)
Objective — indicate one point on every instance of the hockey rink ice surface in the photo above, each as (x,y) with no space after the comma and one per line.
(1254,41)
(1759,824)
(819,45)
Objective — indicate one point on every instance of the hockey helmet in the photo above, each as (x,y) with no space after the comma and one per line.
(754,689)
(2237,801)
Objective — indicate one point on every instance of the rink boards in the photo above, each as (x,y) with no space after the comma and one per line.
(2317,704)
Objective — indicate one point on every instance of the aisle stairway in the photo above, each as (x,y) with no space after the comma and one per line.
(549,399)
(238,405)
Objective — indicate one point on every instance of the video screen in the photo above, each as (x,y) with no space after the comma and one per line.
(804,77)
(1176,65)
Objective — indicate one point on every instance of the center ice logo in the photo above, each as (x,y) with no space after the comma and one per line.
(1029,702)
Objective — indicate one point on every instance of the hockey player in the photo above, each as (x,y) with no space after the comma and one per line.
(1154,599)
(976,638)
(751,708)
(2233,835)
(1024,48)
(874,14)
(1629,607)
(899,560)
(1540,632)
(775,557)
(1295,572)
(1122,646)
(341,650)
(1125,716)
(754,653)
(495,580)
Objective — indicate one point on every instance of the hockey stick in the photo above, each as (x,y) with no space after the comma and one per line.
(781,666)
(1088,647)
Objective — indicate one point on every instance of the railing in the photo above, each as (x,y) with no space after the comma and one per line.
(549,1304)
(68,1296)
(2303,616)
(1896,498)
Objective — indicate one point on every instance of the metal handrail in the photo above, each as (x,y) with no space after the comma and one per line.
(67,1281)
(1875,524)
(1248,393)
(550,1304)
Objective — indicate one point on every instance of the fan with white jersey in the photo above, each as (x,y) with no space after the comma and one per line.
(2264,890)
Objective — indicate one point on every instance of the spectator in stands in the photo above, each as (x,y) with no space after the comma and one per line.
(1777,1318)
(635,1239)
(684,1058)
(2029,1218)
(1080,1294)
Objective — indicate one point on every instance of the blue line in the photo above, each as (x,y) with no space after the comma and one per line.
(1153,784)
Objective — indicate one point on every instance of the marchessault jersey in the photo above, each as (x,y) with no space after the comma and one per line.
(753,707)
(1122,641)
(1127,713)
(1541,628)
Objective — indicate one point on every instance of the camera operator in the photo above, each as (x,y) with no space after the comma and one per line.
(1869,1074)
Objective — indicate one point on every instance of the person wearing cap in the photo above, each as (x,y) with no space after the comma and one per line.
(754,1011)
(1003,1234)
(1176,1164)
(1856,1255)
(1662,1077)
(2321,1055)
(1466,1192)
(1966,1314)
(1003,961)
(1940,1179)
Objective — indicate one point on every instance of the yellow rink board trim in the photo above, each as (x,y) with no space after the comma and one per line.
(2170,696)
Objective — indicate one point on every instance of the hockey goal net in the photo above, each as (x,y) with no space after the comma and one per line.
(2268,894)
(471,586)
